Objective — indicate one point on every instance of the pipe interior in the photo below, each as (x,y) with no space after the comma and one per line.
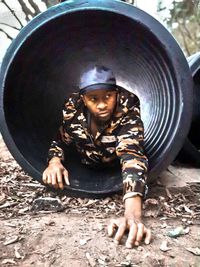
(46,68)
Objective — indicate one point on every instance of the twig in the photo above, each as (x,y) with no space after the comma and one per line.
(13,12)
(7,35)
(35,7)
(11,241)
(13,27)
(33,185)
(26,10)
(43,253)
(8,205)
(168,193)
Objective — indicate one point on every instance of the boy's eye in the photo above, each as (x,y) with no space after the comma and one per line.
(107,96)
(93,99)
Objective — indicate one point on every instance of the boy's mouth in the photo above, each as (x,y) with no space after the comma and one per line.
(103,114)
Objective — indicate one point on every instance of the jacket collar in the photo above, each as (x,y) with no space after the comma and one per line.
(81,114)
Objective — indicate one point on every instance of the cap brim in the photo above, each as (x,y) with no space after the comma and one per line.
(99,87)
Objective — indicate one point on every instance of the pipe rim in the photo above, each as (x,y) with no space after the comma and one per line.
(167,41)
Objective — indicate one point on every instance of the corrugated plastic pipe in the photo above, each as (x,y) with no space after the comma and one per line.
(42,66)
(190,153)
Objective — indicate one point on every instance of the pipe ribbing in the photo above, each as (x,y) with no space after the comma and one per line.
(44,62)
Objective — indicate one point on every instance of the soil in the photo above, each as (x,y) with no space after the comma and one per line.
(39,227)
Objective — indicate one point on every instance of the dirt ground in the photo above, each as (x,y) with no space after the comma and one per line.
(42,228)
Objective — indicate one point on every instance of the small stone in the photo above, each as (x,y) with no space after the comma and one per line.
(17,254)
(164,246)
(83,242)
(178,232)
(101,262)
(47,204)
(91,260)
(50,223)
(164,225)
(151,201)
(100,227)
(9,261)
(195,251)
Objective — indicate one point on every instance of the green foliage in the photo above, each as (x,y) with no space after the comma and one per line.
(184,22)
(50,3)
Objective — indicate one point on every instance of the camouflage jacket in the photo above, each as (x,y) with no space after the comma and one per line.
(122,138)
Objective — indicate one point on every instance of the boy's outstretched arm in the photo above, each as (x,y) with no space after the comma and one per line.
(132,221)
(134,165)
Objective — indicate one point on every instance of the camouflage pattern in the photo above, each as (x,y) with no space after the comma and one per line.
(122,138)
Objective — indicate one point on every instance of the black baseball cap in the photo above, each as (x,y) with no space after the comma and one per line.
(99,77)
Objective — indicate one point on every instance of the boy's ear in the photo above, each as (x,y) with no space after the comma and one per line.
(118,96)
(82,97)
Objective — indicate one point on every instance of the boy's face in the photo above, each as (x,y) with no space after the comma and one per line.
(101,103)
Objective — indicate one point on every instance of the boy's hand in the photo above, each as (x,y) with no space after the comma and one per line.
(54,173)
(131,222)
(136,229)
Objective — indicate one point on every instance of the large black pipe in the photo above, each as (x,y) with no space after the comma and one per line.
(190,153)
(44,62)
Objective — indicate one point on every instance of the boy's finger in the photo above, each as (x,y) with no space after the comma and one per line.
(111,228)
(60,180)
(148,236)
(54,180)
(132,235)
(66,177)
(120,232)
(44,178)
(140,233)
(49,179)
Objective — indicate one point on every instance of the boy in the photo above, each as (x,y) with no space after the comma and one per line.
(103,122)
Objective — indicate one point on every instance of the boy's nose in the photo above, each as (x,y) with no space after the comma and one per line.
(101,106)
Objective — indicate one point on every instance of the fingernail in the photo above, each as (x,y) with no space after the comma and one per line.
(128,245)
(136,243)
(147,242)
(116,242)
(109,234)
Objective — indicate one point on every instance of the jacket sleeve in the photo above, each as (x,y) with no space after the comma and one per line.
(130,151)
(62,137)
